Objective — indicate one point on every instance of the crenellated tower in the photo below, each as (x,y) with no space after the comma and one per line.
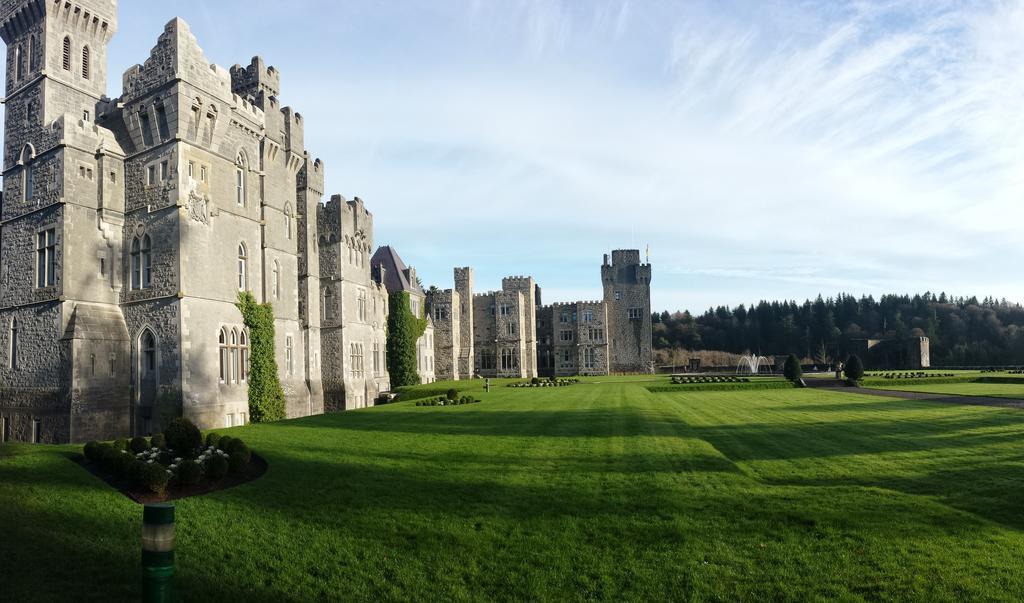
(627,293)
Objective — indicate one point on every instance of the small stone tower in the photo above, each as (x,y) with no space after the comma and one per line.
(464,287)
(627,293)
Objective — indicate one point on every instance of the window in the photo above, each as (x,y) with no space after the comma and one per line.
(415,304)
(565,335)
(222,339)
(356,355)
(505,309)
(588,316)
(242,267)
(487,360)
(142,263)
(328,304)
(147,133)
(161,123)
(46,254)
(29,183)
(288,222)
(597,335)
(618,295)
(275,280)
(151,175)
(243,355)
(240,180)
(67,54)
(113,364)
(635,313)
(37,431)
(241,418)
(564,318)
(508,360)
(361,305)
(33,60)
(510,329)
(376,358)
(202,173)
(85,115)
(148,349)
(566,358)
(234,356)
(289,356)
(85,62)
(588,358)
(19,64)
(164,171)
(229,420)
(191,169)
(3,429)
(12,353)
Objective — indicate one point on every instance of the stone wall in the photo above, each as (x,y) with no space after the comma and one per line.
(627,292)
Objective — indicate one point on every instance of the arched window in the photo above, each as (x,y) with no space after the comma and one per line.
(288,222)
(147,262)
(328,304)
(242,267)
(33,62)
(275,280)
(27,156)
(289,356)
(12,357)
(148,352)
(234,356)
(240,167)
(243,354)
(85,62)
(19,63)
(222,339)
(67,53)
(136,264)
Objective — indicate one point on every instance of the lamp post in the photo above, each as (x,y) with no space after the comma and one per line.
(157,552)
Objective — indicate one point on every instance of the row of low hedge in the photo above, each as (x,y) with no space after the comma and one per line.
(551,382)
(446,401)
(155,463)
(875,381)
(709,379)
(415,392)
(719,387)
(917,375)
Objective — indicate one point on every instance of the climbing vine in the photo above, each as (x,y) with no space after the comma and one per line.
(266,398)
(403,330)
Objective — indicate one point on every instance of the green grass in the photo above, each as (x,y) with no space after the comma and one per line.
(990,390)
(595,491)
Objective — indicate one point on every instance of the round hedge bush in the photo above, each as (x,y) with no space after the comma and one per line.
(183,436)
(212,439)
(225,443)
(453,394)
(138,444)
(216,467)
(109,457)
(121,443)
(92,450)
(158,441)
(189,472)
(239,456)
(154,477)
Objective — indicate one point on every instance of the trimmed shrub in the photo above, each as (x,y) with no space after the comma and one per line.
(158,441)
(91,450)
(153,477)
(121,443)
(854,368)
(212,439)
(109,456)
(216,467)
(225,443)
(189,472)
(792,370)
(138,444)
(239,457)
(453,394)
(183,436)
(134,471)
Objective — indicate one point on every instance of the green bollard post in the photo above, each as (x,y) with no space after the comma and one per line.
(157,552)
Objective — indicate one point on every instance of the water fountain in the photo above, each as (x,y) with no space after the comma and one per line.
(752,365)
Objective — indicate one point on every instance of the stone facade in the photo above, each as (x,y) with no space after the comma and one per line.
(910,353)
(129,226)
(513,335)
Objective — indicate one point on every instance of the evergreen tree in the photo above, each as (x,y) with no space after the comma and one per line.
(792,369)
(403,331)
(854,368)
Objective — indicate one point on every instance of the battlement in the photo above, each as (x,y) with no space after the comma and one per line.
(176,54)
(314,175)
(518,283)
(574,304)
(255,80)
(97,18)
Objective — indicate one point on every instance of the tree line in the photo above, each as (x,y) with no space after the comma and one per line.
(963,331)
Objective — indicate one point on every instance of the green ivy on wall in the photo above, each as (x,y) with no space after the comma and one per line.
(266,398)
(403,330)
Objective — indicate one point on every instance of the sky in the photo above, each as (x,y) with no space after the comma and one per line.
(762,149)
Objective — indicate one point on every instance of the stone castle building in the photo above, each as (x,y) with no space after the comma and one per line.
(509,333)
(129,226)
(396,277)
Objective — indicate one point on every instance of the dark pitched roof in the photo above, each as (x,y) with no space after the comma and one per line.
(397,277)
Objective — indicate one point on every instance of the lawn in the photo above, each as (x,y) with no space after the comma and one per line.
(991,390)
(594,491)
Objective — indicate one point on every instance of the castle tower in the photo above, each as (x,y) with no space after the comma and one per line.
(627,294)
(65,344)
(464,288)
